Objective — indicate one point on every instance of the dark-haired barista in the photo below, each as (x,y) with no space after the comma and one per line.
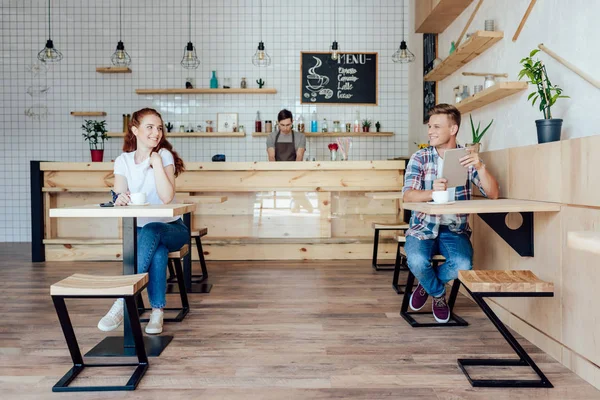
(285,144)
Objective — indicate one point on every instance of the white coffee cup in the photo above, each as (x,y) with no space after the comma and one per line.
(441,196)
(138,198)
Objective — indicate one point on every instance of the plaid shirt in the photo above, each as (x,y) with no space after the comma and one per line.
(421,171)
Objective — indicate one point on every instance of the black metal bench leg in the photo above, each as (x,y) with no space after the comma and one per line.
(397,269)
(524,359)
(78,365)
(374,264)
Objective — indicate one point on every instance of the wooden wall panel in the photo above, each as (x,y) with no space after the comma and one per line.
(580,285)
(581,171)
(535,172)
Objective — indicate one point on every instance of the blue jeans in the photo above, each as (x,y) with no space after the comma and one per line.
(154,242)
(457,250)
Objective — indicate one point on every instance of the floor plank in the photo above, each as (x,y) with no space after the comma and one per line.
(268,330)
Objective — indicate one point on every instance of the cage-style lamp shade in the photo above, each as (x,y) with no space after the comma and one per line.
(49,53)
(120,57)
(190,59)
(403,55)
(261,58)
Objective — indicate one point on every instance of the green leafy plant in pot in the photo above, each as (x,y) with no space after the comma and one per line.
(548,129)
(95,133)
(476,144)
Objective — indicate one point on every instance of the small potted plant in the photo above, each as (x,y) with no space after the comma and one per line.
(95,133)
(366,125)
(476,143)
(548,129)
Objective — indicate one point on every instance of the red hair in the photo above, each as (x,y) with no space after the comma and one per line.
(130,141)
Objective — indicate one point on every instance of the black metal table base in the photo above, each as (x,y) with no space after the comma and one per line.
(507,383)
(114,346)
(63,384)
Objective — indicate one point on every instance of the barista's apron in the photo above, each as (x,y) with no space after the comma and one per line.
(285,151)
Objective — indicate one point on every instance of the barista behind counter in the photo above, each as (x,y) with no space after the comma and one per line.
(286,145)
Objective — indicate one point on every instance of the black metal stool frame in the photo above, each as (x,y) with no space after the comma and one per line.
(196,285)
(185,305)
(376,266)
(455,320)
(79,365)
(524,359)
(399,265)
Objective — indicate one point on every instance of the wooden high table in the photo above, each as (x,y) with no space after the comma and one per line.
(492,212)
(124,346)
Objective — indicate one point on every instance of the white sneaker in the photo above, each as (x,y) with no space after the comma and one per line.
(155,326)
(113,318)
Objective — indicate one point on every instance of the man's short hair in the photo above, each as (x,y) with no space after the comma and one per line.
(446,109)
(284,114)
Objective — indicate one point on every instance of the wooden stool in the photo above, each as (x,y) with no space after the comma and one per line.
(384,226)
(89,286)
(196,279)
(174,264)
(482,284)
(455,320)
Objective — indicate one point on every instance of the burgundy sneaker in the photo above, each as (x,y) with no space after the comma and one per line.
(418,298)
(441,311)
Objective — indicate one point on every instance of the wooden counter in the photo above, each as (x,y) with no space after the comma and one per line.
(295,210)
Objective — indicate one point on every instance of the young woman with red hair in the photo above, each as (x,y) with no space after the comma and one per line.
(149,165)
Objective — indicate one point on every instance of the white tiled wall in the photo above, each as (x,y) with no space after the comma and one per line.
(225,33)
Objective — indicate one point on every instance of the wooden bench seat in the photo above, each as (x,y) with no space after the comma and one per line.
(82,285)
(199,233)
(390,225)
(479,281)
(185,249)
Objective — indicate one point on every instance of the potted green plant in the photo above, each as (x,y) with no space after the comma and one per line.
(476,143)
(366,125)
(548,129)
(95,133)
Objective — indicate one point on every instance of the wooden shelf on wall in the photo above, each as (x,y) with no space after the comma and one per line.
(113,70)
(494,93)
(189,134)
(334,134)
(479,42)
(435,19)
(88,113)
(206,91)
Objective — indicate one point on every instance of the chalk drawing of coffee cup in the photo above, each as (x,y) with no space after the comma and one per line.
(315,81)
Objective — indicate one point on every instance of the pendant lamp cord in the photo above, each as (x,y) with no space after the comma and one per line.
(48,19)
(120,22)
(190,19)
(260,17)
(334,22)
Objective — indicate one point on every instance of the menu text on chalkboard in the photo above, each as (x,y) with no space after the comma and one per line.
(351,79)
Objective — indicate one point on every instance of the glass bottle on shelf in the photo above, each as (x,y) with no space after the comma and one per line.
(357,122)
(268,126)
(209,126)
(243,84)
(324,128)
(314,125)
(336,126)
(258,123)
(301,124)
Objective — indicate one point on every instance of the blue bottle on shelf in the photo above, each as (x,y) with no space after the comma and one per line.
(314,125)
(214,82)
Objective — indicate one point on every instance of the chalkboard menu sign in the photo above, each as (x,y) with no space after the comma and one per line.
(429,88)
(352,79)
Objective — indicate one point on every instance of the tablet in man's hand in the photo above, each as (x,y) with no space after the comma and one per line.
(453,171)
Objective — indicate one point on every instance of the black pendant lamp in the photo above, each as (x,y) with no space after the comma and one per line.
(190,59)
(334,46)
(403,55)
(120,57)
(260,57)
(49,53)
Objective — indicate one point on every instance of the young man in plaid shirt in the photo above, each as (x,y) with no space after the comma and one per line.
(447,235)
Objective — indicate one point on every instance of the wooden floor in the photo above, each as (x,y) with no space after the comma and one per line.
(268,330)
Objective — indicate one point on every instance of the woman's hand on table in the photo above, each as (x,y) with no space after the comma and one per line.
(123,199)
